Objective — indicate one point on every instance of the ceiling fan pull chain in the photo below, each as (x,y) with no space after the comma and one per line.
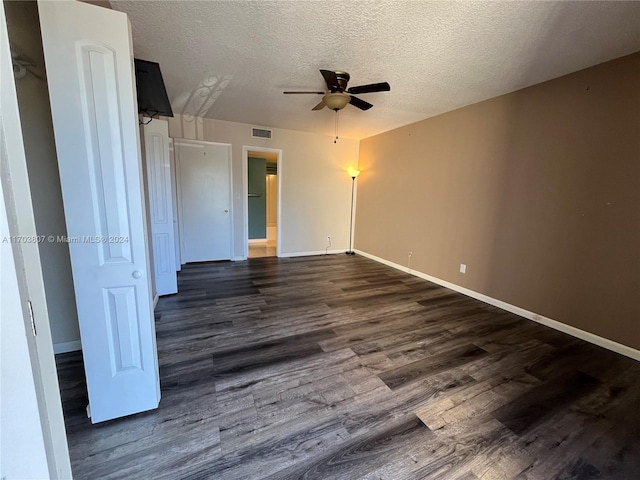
(336,129)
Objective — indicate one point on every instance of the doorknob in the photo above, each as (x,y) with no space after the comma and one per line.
(136,274)
(226,210)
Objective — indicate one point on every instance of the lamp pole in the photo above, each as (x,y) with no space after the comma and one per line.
(354,174)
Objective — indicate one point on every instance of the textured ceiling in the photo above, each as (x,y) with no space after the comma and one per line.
(231,60)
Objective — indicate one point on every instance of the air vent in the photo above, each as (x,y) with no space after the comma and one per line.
(260,133)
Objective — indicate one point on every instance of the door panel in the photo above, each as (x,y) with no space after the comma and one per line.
(124,336)
(89,59)
(156,137)
(98,91)
(205,201)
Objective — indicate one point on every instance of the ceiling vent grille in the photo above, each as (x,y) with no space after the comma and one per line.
(260,133)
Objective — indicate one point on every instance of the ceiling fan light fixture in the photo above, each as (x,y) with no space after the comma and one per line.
(336,101)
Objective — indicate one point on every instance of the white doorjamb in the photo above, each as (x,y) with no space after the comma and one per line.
(17,200)
(245,197)
(174,205)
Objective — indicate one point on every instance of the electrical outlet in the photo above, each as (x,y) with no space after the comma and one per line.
(463,268)
(410,253)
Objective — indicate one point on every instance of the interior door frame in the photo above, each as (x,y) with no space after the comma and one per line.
(177,142)
(245,197)
(174,205)
(19,208)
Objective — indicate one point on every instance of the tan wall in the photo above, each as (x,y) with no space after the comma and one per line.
(537,191)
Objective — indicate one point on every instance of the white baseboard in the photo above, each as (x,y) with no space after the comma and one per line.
(66,347)
(309,254)
(155,300)
(549,322)
(238,259)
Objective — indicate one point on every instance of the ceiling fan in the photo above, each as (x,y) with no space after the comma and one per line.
(339,95)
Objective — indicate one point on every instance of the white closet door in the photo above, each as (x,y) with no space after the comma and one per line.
(156,139)
(89,62)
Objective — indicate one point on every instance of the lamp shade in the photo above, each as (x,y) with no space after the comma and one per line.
(353,173)
(336,101)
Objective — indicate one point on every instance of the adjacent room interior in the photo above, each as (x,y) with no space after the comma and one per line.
(176,298)
(262,185)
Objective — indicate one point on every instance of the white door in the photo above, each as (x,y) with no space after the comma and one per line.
(89,62)
(174,198)
(156,152)
(204,171)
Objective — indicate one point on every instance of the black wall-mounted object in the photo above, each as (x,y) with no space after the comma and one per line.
(152,96)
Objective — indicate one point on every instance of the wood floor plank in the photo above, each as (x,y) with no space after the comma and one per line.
(431,365)
(360,455)
(336,366)
(543,401)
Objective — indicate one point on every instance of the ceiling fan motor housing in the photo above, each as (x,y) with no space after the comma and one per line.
(343,80)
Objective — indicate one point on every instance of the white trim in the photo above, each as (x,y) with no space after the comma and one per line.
(232,221)
(309,254)
(556,325)
(174,206)
(66,347)
(187,142)
(238,259)
(245,197)
(155,300)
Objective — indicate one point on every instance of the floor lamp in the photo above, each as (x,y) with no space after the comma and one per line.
(353,174)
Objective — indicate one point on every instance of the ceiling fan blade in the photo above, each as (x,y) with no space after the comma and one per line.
(303,93)
(319,106)
(361,104)
(372,87)
(331,78)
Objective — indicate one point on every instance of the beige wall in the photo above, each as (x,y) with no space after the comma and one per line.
(537,192)
(44,179)
(315,188)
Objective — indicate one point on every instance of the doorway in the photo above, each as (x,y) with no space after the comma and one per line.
(262,200)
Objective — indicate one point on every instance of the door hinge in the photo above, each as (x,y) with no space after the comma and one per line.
(33,321)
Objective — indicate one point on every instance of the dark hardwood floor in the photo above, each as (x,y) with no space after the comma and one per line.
(339,367)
